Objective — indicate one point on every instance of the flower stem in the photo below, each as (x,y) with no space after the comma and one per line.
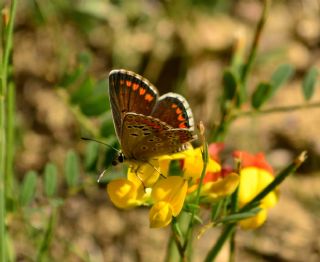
(280,109)
(227,231)
(5,120)
(255,43)
(227,116)
(205,158)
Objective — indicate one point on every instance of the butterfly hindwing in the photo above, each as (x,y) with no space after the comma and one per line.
(174,110)
(144,137)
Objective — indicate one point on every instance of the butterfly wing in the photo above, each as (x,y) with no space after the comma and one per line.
(144,137)
(174,110)
(129,92)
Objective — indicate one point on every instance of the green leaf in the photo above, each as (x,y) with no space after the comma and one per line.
(261,95)
(91,155)
(50,179)
(229,84)
(95,106)
(84,91)
(28,188)
(309,83)
(280,76)
(239,216)
(70,78)
(100,88)
(47,237)
(107,128)
(84,59)
(72,168)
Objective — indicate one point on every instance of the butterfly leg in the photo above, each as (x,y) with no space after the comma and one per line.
(156,169)
(136,171)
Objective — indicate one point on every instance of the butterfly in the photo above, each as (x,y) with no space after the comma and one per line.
(147,126)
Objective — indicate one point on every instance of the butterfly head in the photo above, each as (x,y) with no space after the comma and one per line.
(120,158)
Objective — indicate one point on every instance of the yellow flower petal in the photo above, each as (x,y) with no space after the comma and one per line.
(160,214)
(222,187)
(252,181)
(148,174)
(124,193)
(254,222)
(172,190)
(164,166)
(193,164)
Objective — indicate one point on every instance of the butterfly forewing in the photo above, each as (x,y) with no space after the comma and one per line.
(130,92)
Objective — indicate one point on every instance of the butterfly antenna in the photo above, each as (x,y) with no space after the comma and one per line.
(91,139)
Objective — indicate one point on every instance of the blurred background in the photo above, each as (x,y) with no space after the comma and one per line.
(63,52)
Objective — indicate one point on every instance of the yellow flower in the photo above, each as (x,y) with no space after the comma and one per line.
(125,193)
(193,164)
(148,173)
(223,186)
(160,214)
(168,195)
(255,175)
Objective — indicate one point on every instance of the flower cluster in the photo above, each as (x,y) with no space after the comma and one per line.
(151,184)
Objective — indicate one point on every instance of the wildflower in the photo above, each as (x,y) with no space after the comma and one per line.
(218,182)
(192,164)
(168,195)
(215,185)
(125,193)
(255,175)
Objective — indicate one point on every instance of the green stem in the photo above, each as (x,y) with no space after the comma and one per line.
(227,116)
(227,231)
(280,109)
(232,242)
(205,157)
(2,179)
(232,246)
(4,143)
(172,249)
(10,141)
(46,241)
(256,40)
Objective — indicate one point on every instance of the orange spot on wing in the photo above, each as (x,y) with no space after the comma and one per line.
(142,91)
(148,97)
(121,82)
(135,86)
(181,118)
(182,125)
(174,106)
(128,83)
(178,111)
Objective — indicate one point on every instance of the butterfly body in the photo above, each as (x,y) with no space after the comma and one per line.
(147,125)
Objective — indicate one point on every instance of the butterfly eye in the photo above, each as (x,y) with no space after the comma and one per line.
(121,158)
(114,163)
